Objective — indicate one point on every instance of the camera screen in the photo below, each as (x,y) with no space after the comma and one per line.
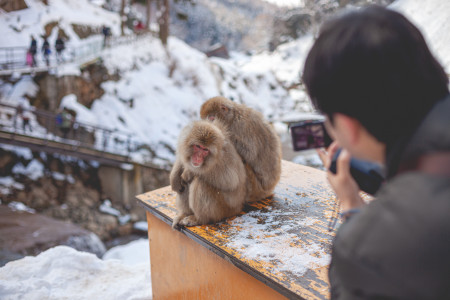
(309,135)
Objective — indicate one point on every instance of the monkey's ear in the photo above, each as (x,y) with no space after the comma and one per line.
(224,108)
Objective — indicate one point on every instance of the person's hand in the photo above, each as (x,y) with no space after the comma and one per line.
(343,184)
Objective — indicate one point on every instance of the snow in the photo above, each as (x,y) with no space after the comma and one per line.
(132,253)
(20,151)
(107,208)
(64,273)
(142,226)
(6,183)
(62,177)
(287,3)
(19,206)
(31,21)
(264,242)
(309,158)
(34,170)
(432,19)
(161,90)
(84,115)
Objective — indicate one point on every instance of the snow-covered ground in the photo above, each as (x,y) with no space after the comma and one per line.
(288,3)
(64,273)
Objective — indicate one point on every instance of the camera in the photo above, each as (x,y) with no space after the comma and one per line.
(312,134)
(309,135)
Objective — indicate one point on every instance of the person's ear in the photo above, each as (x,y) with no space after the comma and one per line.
(348,126)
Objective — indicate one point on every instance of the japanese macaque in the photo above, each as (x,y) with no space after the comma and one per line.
(254,139)
(208,175)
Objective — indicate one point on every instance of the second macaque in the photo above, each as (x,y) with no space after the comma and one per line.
(254,139)
(209,175)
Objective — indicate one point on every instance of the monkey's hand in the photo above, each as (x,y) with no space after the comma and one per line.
(187,176)
(176,182)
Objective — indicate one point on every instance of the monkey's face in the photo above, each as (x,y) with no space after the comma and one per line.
(199,154)
(200,146)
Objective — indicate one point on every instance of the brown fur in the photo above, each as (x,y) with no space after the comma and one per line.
(254,139)
(215,190)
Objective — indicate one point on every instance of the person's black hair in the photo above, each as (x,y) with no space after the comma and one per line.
(374,65)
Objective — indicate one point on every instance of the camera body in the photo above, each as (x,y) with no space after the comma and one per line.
(312,134)
(309,134)
(369,176)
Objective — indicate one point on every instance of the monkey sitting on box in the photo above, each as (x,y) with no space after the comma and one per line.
(254,139)
(208,175)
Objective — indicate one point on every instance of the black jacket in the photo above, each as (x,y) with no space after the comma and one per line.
(398,246)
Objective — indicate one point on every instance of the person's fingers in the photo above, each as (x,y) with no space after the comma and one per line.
(330,153)
(343,162)
(323,157)
(334,147)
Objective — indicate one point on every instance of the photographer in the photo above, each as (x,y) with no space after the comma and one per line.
(386,100)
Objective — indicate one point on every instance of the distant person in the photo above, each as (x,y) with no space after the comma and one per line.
(33,50)
(106,31)
(386,99)
(19,114)
(25,116)
(139,27)
(29,59)
(46,51)
(26,121)
(59,47)
(64,121)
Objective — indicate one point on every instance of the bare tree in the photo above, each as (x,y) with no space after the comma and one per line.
(122,17)
(163,21)
(149,13)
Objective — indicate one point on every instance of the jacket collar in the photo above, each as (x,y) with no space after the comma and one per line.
(432,135)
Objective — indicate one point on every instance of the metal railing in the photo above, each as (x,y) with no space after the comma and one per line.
(15,58)
(44,125)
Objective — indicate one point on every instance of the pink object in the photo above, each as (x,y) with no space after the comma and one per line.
(29,59)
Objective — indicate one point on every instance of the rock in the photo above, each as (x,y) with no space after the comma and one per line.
(7,256)
(87,243)
(23,233)
(7,161)
(10,6)
(77,197)
(50,190)
(126,229)
(39,199)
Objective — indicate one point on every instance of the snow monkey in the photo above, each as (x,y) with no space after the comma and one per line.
(253,137)
(208,175)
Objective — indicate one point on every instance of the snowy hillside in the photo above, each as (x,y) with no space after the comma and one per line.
(17,26)
(432,17)
(165,102)
(161,90)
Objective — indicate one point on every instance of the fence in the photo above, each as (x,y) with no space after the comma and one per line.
(44,125)
(14,58)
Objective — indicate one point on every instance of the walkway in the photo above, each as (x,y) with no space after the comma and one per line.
(13,59)
(83,141)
